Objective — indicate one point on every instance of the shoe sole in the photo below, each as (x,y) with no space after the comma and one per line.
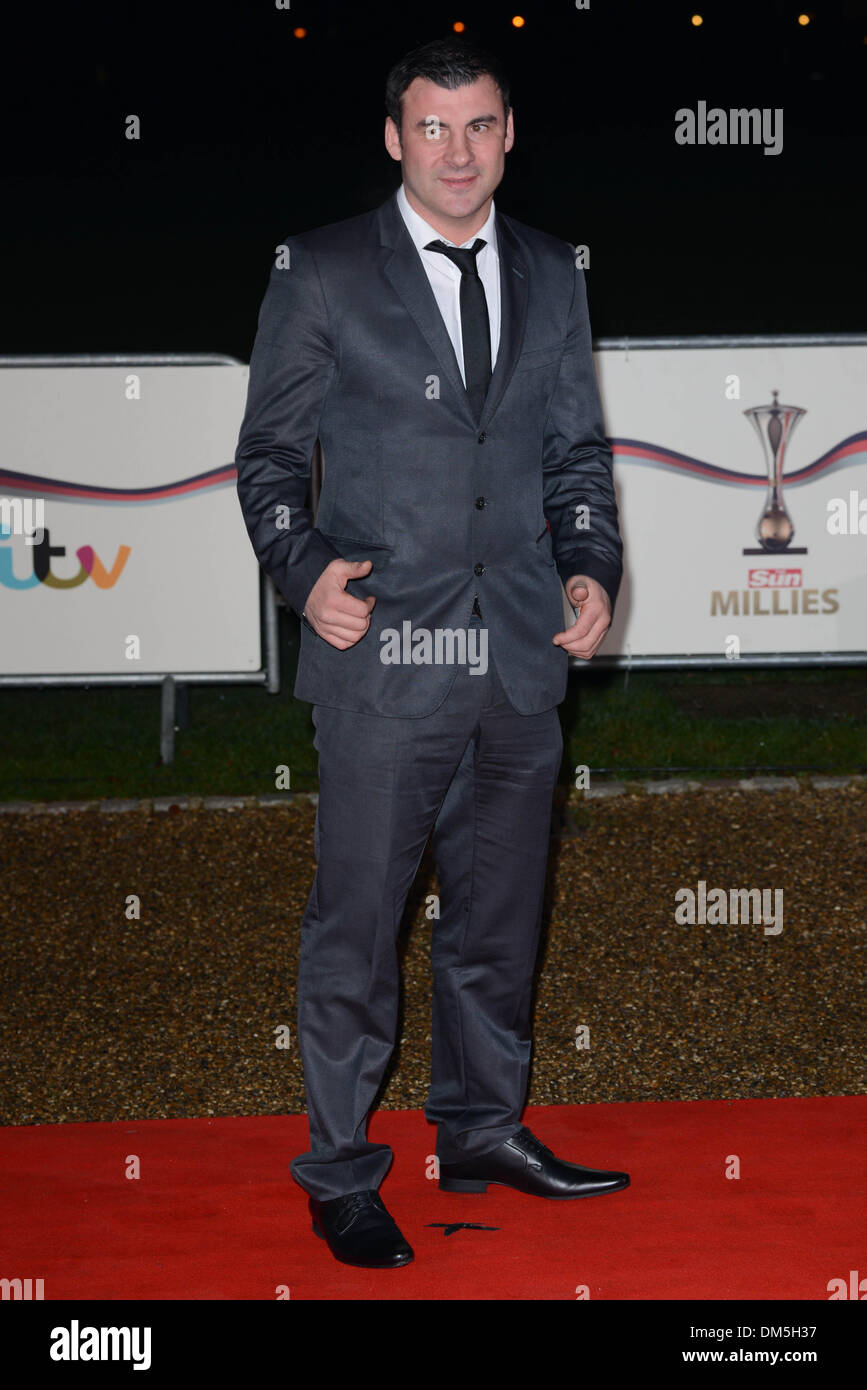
(365,1264)
(472,1185)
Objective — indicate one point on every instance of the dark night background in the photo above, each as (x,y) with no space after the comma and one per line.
(249,134)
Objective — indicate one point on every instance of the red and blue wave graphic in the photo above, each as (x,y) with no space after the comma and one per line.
(34,485)
(625,451)
(640,451)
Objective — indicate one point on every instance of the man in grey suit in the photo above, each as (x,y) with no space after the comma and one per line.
(440,352)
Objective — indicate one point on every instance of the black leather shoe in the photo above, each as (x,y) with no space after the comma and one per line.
(527,1164)
(359,1231)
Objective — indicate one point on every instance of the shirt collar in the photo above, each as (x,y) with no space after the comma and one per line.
(422,232)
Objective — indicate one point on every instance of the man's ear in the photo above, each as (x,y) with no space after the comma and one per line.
(392,139)
(510,130)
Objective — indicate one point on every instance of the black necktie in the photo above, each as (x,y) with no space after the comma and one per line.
(475,328)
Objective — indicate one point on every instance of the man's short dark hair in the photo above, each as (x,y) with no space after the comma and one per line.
(449,63)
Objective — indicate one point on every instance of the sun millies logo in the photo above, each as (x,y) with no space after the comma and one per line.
(775,579)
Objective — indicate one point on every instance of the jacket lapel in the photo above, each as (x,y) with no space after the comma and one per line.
(514,289)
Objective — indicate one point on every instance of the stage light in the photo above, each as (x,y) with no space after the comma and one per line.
(803,19)
(300,33)
(459,26)
(696,21)
(518,21)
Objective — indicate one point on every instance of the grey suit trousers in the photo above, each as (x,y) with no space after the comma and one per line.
(481,776)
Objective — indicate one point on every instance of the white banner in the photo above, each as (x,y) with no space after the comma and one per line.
(692,472)
(144,564)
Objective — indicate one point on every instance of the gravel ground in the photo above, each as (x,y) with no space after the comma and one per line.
(180,1012)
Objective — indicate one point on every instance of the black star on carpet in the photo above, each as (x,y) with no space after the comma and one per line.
(451,1227)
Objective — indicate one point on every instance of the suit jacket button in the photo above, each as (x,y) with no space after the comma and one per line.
(478,569)
(481,502)
(482,437)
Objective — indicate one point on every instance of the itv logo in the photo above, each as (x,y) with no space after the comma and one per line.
(90,566)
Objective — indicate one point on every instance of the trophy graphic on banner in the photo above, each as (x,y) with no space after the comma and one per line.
(774,424)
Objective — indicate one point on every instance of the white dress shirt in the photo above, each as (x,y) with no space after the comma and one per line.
(445,277)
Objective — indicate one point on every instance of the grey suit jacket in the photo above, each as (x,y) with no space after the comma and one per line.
(352,349)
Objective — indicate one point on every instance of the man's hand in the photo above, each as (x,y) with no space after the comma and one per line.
(339,618)
(585,636)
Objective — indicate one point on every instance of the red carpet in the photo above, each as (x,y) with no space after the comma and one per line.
(216,1215)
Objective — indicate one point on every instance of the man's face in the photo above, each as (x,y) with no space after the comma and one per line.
(453,148)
